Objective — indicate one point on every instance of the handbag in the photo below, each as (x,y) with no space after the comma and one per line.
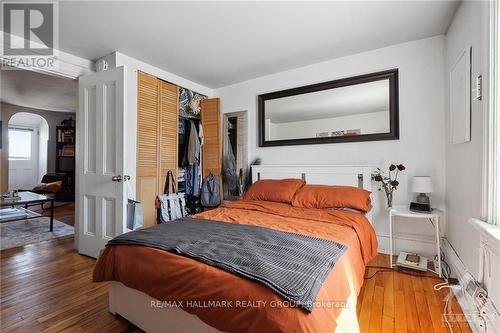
(193,204)
(210,192)
(172,205)
(134,214)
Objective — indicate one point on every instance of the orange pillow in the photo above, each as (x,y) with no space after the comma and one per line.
(325,196)
(277,190)
(48,187)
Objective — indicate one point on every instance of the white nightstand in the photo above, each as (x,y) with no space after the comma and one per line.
(403,211)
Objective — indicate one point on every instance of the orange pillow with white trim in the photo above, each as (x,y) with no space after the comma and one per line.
(276,190)
(326,196)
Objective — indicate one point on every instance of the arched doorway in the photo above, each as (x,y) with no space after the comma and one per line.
(28,135)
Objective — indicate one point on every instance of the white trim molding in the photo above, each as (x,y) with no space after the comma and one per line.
(491,179)
(68,65)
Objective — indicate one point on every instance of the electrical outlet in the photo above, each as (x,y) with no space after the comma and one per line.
(480,323)
(488,311)
(476,291)
(481,297)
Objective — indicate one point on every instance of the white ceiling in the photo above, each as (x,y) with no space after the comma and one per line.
(40,91)
(221,43)
(344,101)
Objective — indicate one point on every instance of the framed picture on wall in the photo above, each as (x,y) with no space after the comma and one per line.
(460,98)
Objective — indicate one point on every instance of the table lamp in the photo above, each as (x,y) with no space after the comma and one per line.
(421,185)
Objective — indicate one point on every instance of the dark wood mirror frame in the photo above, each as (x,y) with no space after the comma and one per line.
(393,134)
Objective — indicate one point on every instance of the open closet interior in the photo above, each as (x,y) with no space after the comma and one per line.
(235,151)
(177,130)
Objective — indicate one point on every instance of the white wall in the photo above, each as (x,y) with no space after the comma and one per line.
(369,123)
(43,148)
(464,161)
(421,112)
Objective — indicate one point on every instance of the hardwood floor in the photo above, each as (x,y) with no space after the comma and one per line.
(65,213)
(47,287)
(392,301)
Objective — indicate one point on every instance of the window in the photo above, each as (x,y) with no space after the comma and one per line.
(20,143)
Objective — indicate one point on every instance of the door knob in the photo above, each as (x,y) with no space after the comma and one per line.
(117,178)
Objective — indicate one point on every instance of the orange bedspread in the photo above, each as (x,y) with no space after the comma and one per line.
(249,306)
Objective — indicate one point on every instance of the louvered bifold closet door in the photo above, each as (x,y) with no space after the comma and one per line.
(147,145)
(212,146)
(169,129)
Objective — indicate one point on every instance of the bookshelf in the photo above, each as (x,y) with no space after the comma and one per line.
(65,153)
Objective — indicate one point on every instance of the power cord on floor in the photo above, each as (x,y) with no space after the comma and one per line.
(445,270)
(387,269)
(446,310)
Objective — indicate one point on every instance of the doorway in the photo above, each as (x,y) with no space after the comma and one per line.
(235,154)
(36,108)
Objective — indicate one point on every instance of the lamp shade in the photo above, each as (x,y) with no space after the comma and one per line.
(421,184)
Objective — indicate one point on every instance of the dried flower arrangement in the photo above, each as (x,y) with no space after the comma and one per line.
(388,182)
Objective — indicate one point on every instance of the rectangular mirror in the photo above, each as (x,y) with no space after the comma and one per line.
(361,108)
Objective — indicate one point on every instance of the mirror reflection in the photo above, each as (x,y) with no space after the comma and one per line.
(352,110)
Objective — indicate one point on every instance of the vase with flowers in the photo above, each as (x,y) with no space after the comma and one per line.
(388,182)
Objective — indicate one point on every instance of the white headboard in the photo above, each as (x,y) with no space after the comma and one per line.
(345,175)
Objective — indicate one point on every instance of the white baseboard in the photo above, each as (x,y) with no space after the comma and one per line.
(490,320)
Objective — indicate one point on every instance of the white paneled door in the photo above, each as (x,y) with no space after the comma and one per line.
(100,158)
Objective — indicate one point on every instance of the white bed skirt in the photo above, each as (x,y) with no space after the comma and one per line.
(137,307)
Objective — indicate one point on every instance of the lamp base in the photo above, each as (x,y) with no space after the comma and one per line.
(423,199)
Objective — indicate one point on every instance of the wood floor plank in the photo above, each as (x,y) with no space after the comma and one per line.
(388,309)
(424,317)
(410,305)
(389,295)
(377,309)
(400,324)
(366,306)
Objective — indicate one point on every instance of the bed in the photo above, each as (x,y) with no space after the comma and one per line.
(156,290)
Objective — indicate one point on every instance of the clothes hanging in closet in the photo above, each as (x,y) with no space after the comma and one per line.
(190,142)
(194,145)
(193,180)
(183,141)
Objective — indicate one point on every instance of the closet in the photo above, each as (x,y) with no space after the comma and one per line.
(158,139)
